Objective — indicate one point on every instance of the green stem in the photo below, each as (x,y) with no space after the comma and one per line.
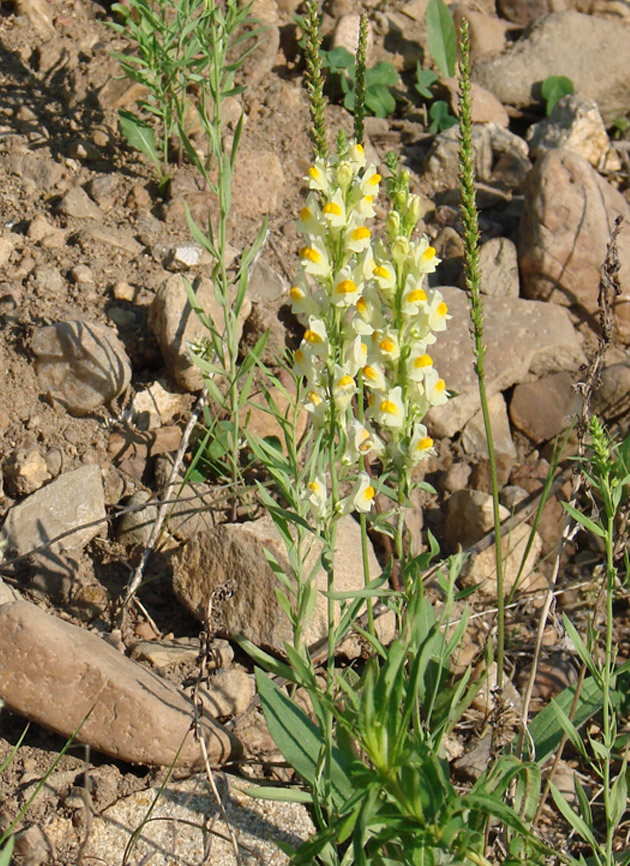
(363,518)
(606,689)
(472,271)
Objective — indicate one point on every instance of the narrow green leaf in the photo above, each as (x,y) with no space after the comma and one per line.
(568,727)
(271,664)
(284,795)
(573,818)
(441,37)
(7,852)
(580,646)
(140,135)
(585,521)
(299,739)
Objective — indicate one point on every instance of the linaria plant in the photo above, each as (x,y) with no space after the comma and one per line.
(172,52)
(370,759)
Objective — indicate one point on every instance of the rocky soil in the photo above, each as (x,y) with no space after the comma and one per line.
(97,389)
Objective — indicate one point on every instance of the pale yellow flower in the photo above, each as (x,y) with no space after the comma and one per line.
(388,408)
(435,388)
(314,257)
(316,495)
(421,445)
(362,496)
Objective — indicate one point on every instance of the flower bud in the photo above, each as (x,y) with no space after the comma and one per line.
(392,225)
(344,174)
(414,211)
(400,250)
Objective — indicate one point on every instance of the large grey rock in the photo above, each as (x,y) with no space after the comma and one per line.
(525,339)
(499,268)
(69,502)
(180,812)
(563,43)
(228,565)
(544,408)
(567,220)
(474,440)
(58,675)
(80,364)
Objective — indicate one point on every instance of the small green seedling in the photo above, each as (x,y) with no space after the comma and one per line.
(620,125)
(378,80)
(425,79)
(553,89)
(441,117)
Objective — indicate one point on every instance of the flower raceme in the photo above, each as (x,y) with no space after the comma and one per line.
(369,319)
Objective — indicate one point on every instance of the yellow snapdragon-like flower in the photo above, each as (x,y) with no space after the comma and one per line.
(302,301)
(310,221)
(424,258)
(385,345)
(414,297)
(354,355)
(385,277)
(316,404)
(435,389)
(362,496)
(374,376)
(435,314)
(319,176)
(419,363)
(334,212)
(316,494)
(314,258)
(370,181)
(357,240)
(388,408)
(316,338)
(345,292)
(361,440)
(421,445)
(344,388)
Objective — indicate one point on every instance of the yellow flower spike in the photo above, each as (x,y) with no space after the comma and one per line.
(390,410)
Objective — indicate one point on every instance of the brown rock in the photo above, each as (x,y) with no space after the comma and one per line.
(523,339)
(228,565)
(25,471)
(81,365)
(474,439)
(258,184)
(544,408)
(487,32)
(58,675)
(612,398)
(568,217)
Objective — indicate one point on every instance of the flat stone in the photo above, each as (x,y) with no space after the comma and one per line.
(57,674)
(119,239)
(544,408)
(181,809)
(81,365)
(474,439)
(25,471)
(228,565)
(67,503)
(563,43)
(567,221)
(77,203)
(498,263)
(612,398)
(525,339)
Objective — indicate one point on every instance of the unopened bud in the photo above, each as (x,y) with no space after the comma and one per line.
(400,250)
(392,225)
(344,174)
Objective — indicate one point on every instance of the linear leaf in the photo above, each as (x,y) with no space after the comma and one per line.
(139,135)
(573,818)
(441,37)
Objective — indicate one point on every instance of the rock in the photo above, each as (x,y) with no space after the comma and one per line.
(229,693)
(25,471)
(499,268)
(103,186)
(185,804)
(574,124)
(480,476)
(77,203)
(486,31)
(165,653)
(183,257)
(258,183)
(228,565)
(6,249)
(175,325)
(48,280)
(612,398)
(474,433)
(493,146)
(56,675)
(544,408)
(38,168)
(512,495)
(126,444)
(563,43)
(40,229)
(39,14)
(81,365)
(486,108)
(567,219)
(69,502)
(524,340)
(524,12)
(8,593)
(135,526)
(454,478)
(193,511)
(469,517)
(156,406)
(119,239)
